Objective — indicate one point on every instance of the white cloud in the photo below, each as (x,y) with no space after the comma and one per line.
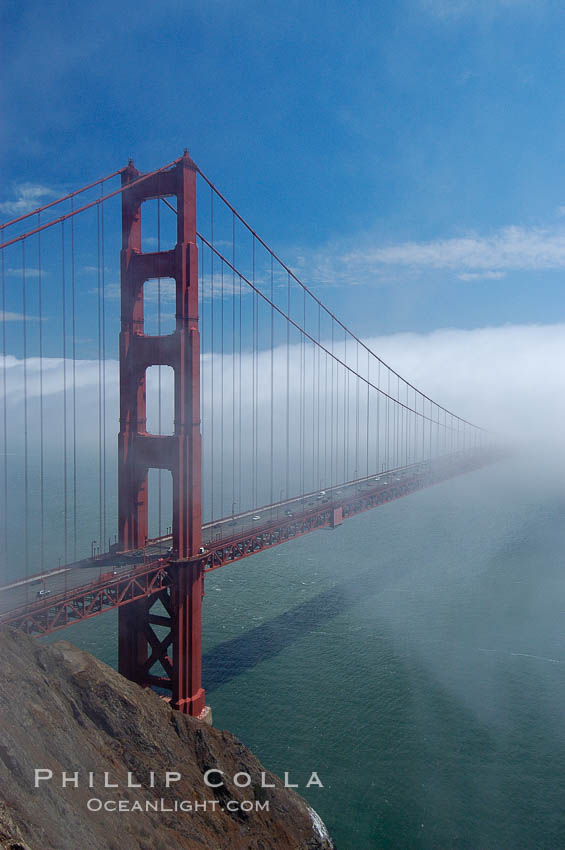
(487,275)
(506,378)
(29,272)
(17,317)
(449,9)
(509,248)
(111,291)
(27,197)
(168,290)
(469,257)
(150,291)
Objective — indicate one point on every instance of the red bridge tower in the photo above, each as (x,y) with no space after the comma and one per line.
(174,661)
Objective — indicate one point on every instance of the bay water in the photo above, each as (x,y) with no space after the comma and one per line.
(414,658)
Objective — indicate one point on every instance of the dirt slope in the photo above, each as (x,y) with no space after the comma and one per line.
(63,710)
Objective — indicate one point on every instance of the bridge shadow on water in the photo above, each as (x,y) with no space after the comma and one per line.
(230,659)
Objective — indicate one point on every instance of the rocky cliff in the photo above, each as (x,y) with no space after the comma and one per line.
(68,715)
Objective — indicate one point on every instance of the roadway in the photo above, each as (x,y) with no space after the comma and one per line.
(23,592)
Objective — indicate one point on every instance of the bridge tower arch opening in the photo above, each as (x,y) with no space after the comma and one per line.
(178,653)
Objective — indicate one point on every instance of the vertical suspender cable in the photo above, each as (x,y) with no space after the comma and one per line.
(368,408)
(338,394)
(423,428)
(41,441)
(26,483)
(332,413)
(358,474)
(416,424)
(406,426)
(240,508)
(403,433)
(73,320)
(258,499)
(287,484)
(343,397)
(64,305)
(430,427)
(392,434)
(445,432)
(315,479)
(379,418)
(256,397)
(212,399)
(253,430)
(325,419)
(222,397)
(399,426)
(233,365)
(303,398)
(5,414)
(104,512)
(300,375)
(387,438)
(398,410)
(159,379)
(272,383)
(100,531)
(318,353)
(345,409)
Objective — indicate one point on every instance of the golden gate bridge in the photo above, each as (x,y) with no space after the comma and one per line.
(249,415)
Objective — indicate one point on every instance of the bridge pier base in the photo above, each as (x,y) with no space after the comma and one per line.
(337,516)
(169,661)
(133,621)
(186,594)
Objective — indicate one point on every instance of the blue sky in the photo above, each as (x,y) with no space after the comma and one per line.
(407,158)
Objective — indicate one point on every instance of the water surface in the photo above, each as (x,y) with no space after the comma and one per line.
(413,657)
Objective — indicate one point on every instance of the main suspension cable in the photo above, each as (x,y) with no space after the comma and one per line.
(337,359)
(283,265)
(68,197)
(88,206)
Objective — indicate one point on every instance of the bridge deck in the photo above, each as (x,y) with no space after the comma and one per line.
(80,591)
